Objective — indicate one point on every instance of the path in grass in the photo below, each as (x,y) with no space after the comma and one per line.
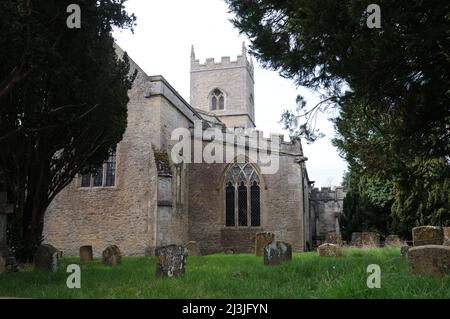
(236,276)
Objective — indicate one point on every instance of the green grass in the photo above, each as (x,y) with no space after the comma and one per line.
(235,276)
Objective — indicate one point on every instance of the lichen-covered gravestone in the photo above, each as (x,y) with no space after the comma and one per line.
(329,250)
(192,249)
(333,238)
(430,259)
(276,253)
(427,235)
(370,239)
(86,253)
(356,239)
(446,236)
(112,256)
(393,240)
(46,258)
(170,261)
(262,240)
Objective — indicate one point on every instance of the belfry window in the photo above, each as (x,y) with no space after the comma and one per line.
(103,175)
(242,193)
(217,100)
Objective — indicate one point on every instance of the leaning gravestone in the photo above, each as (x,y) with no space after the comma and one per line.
(111,256)
(430,259)
(333,238)
(262,240)
(356,239)
(86,253)
(46,258)
(329,250)
(276,253)
(427,235)
(170,261)
(393,240)
(192,249)
(446,236)
(370,239)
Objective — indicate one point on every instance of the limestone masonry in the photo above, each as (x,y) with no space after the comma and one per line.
(141,199)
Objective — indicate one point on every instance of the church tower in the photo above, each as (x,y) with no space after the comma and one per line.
(225,89)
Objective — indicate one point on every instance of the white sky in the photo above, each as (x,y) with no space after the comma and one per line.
(161,45)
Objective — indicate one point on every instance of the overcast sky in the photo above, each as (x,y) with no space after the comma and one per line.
(161,45)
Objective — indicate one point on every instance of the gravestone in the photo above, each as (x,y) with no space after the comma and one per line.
(427,235)
(46,258)
(446,236)
(2,264)
(370,239)
(329,250)
(393,240)
(86,253)
(262,240)
(430,259)
(276,253)
(356,239)
(404,250)
(333,238)
(170,261)
(111,256)
(192,249)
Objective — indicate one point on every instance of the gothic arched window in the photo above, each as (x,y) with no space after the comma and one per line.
(242,196)
(217,100)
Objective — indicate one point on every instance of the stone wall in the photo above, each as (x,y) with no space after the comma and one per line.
(281,208)
(326,206)
(235,79)
(122,215)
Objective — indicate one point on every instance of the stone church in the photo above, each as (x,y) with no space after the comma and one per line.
(141,198)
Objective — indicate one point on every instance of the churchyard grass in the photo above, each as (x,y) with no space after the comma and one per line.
(235,276)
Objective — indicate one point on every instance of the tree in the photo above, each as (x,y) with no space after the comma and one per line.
(400,71)
(63,101)
(389,84)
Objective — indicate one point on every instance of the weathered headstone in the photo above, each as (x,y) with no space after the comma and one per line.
(329,250)
(170,261)
(192,249)
(46,258)
(370,239)
(276,253)
(333,238)
(262,240)
(446,236)
(430,259)
(86,253)
(111,256)
(428,235)
(404,250)
(356,239)
(2,264)
(393,240)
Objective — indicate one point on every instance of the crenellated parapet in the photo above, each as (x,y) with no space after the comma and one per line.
(225,62)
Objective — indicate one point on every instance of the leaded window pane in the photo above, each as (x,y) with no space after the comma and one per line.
(98,176)
(255,205)
(111,168)
(221,103)
(242,205)
(230,205)
(86,180)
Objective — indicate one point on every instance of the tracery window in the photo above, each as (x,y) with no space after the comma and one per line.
(217,100)
(242,192)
